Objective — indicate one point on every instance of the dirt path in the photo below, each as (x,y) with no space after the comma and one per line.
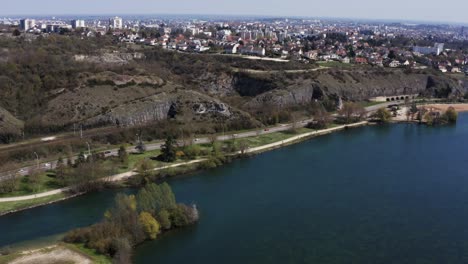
(114,178)
(51,255)
(126,175)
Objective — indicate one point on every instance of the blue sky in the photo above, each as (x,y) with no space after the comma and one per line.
(421,10)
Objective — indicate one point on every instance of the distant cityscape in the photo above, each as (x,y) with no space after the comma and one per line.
(379,44)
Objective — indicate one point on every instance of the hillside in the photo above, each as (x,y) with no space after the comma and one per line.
(114,85)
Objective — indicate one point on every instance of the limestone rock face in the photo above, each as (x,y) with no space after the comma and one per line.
(356,85)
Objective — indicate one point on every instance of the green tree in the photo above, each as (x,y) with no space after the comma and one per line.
(451,115)
(192,151)
(150,226)
(154,198)
(164,219)
(179,217)
(383,115)
(123,155)
(168,150)
(144,167)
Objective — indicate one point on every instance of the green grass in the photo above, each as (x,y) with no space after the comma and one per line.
(8,258)
(9,206)
(134,158)
(265,139)
(47,182)
(367,104)
(90,253)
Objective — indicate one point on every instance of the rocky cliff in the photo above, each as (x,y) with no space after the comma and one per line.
(287,89)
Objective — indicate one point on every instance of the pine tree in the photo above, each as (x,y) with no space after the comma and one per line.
(169,150)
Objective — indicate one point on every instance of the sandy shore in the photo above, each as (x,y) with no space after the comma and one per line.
(51,255)
(443,107)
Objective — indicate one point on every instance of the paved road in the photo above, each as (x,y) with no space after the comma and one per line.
(154,146)
(126,175)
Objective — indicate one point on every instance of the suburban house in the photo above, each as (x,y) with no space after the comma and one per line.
(394,64)
(251,50)
(360,60)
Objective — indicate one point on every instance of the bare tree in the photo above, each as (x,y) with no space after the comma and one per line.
(243,146)
(352,112)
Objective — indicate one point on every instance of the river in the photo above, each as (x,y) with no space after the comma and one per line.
(383,194)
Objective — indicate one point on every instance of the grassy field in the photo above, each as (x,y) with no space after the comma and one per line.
(90,253)
(265,139)
(367,104)
(9,206)
(46,182)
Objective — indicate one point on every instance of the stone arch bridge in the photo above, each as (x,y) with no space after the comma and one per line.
(393,98)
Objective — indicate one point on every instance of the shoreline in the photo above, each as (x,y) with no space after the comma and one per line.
(459,107)
(125,176)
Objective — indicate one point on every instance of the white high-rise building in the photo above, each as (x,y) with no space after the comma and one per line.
(78,24)
(26,24)
(437,49)
(116,23)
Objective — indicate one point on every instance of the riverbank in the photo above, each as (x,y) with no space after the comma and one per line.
(37,200)
(444,107)
(58,253)
(319,186)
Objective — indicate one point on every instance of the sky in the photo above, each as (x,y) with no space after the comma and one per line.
(408,10)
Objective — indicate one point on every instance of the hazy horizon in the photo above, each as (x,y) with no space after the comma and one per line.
(398,10)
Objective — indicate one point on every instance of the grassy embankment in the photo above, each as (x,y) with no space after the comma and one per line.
(90,253)
(13,206)
(48,181)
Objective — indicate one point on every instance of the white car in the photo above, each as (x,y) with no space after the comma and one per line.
(47,165)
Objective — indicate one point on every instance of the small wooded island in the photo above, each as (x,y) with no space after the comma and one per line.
(134,219)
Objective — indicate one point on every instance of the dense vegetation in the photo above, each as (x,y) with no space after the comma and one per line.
(133,219)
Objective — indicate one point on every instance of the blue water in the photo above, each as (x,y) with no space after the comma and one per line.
(382,194)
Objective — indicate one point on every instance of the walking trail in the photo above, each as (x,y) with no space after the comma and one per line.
(126,175)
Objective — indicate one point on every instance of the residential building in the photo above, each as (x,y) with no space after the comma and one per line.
(78,24)
(251,50)
(26,24)
(437,49)
(116,23)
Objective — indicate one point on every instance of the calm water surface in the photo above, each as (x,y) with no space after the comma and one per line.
(386,194)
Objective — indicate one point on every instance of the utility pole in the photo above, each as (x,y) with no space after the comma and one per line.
(37,160)
(89,148)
